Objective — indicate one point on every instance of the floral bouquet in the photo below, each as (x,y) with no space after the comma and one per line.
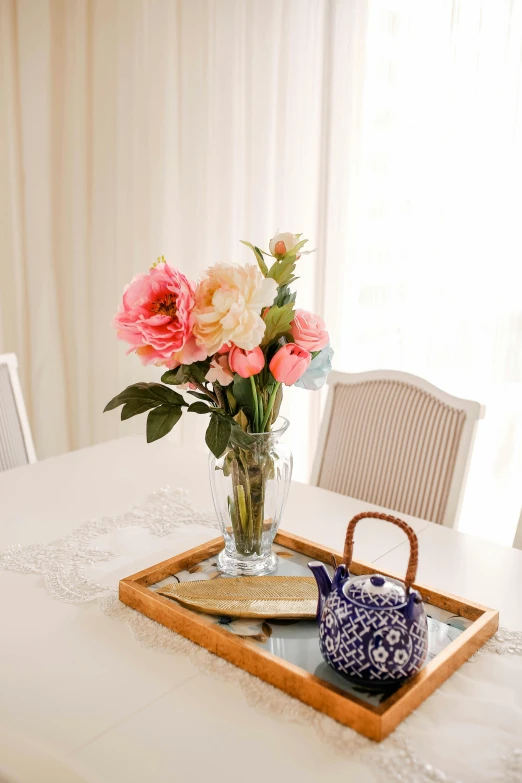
(233,341)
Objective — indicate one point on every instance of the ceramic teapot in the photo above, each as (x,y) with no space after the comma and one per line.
(372,628)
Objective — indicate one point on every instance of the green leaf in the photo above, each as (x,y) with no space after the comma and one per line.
(232,402)
(242,391)
(277,321)
(241,502)
(162,393)
(218,434)
(199,407)
(296,249)
(175,377)
(259,257)
(227,465)
(282,270)
(114,403)
(199,395)
(134,408)
(161,420)
(154,393)
(285,296)
(198,370)
(186,373)
(241,419)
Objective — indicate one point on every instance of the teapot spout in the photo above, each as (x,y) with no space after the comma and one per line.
(324,584)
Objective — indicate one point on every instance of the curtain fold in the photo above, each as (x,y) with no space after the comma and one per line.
(388,131)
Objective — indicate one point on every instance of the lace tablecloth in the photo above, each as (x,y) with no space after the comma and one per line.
(470,730)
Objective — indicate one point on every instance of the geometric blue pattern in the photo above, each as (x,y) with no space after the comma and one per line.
(372,644)
(361,591)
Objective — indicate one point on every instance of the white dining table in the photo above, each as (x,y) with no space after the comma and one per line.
(79,692)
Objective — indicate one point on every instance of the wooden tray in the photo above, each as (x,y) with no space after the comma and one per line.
(374,714)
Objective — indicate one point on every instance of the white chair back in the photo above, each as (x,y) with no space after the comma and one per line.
(16,443)
(395,440)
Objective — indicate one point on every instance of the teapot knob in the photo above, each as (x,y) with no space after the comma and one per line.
(377,580)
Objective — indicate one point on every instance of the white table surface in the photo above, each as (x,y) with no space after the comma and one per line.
(76,686)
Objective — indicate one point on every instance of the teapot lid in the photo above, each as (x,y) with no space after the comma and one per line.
(374,590)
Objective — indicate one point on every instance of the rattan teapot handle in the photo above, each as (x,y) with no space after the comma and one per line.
(413,562)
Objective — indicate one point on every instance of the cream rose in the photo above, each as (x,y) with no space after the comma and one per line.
(229,301)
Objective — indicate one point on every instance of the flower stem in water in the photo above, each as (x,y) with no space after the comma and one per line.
(256,406)
(269,406)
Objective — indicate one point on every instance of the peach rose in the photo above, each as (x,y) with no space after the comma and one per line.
(246,363)
(289,363)
(156,318)
(309,331)
(229,301)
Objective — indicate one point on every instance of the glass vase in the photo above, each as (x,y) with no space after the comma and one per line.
(250,484)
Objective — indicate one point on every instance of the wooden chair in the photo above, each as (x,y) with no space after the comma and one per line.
(16,443)
(395,440)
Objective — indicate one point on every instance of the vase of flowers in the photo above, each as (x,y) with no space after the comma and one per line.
(233,341)
(250,484)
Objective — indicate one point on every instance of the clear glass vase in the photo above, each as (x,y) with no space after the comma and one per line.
(250,484)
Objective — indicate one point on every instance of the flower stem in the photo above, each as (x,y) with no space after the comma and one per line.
(260,399)
(256,406)
(204,390)
(220,397)
(270,406)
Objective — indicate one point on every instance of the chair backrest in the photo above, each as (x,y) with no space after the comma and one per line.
(395,440)
(16,443)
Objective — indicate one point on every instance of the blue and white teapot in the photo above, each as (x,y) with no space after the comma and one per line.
(372,629)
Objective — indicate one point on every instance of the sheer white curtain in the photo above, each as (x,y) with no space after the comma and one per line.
(434,272)
(389,132)
(132,129)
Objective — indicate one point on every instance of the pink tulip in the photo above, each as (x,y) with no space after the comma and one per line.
(246,363)
(289,363)
(309,331)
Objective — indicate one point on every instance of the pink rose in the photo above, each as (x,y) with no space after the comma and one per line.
(219,371)
(246,363)
(156,319)
(289,363)
(309,331)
